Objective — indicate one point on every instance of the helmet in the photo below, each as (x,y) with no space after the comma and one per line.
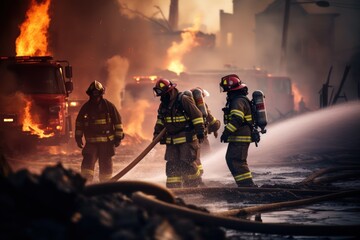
(95,89)
(163,86)
(231,82)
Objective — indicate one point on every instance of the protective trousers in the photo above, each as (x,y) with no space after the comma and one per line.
(236,160)
(93,152)
(181,167)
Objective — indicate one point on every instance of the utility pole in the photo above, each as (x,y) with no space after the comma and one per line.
(284,36)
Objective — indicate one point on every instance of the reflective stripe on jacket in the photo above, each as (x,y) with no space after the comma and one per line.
(236,114)
(99,122)
(182,121)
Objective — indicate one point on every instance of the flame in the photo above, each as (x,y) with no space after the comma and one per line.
(297,96)
(135,118)
(30,126)
(33,31)
(177,51)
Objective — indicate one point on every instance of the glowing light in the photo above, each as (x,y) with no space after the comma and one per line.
(73,104)
(34,30)
(8,120)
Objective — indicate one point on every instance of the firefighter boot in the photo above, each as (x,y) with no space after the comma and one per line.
(246,183)
(173,182)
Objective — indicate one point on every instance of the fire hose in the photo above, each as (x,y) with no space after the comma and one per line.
(287,204)
(138,158)
(312,177)
(163,203)
(242,224)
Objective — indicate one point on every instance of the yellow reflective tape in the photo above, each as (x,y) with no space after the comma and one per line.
(243,176)
(197,121)
(100,121)
(213,121)
(160,122)
(194,176)
(237,113)
(239,139)
(230,127)
(248,118)
(179,140)
(100,139)
(173,180)
(175,119)
(87,172)
(119,134)
(105,177)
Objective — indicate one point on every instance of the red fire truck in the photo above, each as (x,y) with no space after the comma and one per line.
(34,99)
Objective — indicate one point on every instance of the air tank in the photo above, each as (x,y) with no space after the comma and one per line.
(260,110)
(199,101)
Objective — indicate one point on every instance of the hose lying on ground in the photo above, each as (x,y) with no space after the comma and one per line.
(244,225)
(320,172)
(235,190)
(330,179)
(287,204)
(139,158)
(128,187)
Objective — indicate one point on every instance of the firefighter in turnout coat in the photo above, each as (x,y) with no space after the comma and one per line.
(237,132)
(184,125)
(212,125)
(100,123)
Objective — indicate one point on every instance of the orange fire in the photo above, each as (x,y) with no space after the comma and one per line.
(34,30)
(30,126)
(177,51)
(297,96)
(135,116)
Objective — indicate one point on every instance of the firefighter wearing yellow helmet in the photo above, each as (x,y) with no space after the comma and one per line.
(237,117)
(184,130)
(100,123)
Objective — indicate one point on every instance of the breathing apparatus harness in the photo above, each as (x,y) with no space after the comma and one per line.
(255,134)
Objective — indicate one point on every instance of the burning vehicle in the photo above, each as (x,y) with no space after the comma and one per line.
(34,93)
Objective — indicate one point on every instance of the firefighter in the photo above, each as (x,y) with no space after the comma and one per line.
(100,123)
(184,131)
(212,125)
(237,131)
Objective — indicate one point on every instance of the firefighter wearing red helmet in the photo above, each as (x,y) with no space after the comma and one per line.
(237,131)
(100,123)
(184,130)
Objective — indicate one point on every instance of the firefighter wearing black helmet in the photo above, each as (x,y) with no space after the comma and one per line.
(100,123)
(237,117)
(184,125)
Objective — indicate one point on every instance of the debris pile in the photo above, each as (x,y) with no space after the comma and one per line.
(53,205)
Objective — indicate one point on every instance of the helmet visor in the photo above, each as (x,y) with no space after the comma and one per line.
(157,92)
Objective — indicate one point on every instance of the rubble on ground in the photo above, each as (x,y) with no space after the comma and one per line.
(53,205)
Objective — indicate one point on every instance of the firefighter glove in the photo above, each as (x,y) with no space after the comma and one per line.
(216,134)
(117,142)
(79,143)
(225,135)
(201,137)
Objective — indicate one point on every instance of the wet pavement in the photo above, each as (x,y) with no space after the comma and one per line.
(275,163)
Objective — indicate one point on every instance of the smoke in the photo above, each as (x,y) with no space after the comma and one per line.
(117,71)
(322,134)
